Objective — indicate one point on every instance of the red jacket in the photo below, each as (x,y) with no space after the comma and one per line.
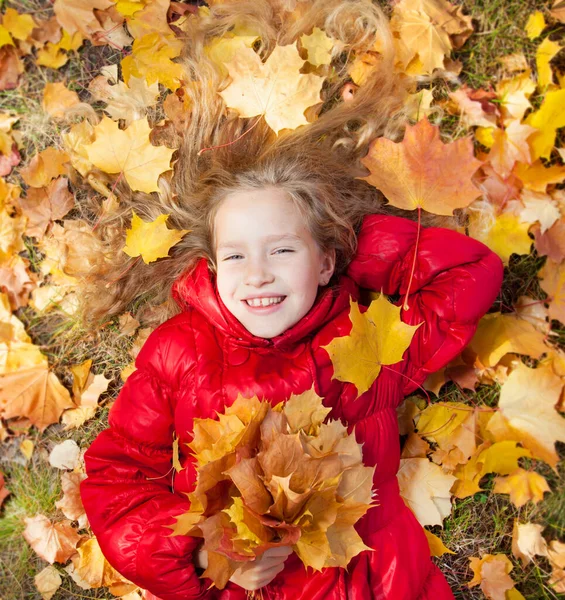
(197,362)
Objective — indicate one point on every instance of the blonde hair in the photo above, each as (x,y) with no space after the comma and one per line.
(317,165)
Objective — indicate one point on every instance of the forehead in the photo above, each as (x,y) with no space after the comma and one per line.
(257,214)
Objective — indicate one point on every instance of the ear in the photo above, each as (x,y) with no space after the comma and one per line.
(327,267)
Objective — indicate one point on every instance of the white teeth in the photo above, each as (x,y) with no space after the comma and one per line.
(264,301)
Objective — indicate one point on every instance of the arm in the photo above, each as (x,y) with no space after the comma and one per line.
(456,280)
(127,495)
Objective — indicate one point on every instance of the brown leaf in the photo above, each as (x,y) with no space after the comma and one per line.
(57,99)
(44,167)
(78,15)
(71,503)
(11,67)
(44,205)
(54,542)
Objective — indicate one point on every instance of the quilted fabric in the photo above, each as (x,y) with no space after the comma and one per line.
(199,361)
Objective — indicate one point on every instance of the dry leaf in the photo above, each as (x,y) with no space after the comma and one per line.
(259,88)
(54,542)
(47,582)
(492,573)
(528,542)
(65,455)
(522,486)
(418,173)
(378,337)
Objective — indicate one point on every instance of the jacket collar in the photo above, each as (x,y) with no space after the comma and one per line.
(196,288)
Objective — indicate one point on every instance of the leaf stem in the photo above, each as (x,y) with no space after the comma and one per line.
(405,306)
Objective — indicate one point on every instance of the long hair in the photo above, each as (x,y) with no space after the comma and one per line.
(317,165)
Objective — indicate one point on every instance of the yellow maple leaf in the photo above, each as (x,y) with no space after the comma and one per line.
(547,120)
(378,337)
(545,52)
(418,172)
(437,547)
(537,176)
(5,37)
(535,25)
(274,89)
(522,486)
(151,59)
(20,26)
(54,55)
(319,47)
(510,146)
(504,234)
(527,410)
(514,94)
(130,152)
(497,334)
(151,240)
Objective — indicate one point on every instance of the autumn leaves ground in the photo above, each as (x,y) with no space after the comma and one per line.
(480,524)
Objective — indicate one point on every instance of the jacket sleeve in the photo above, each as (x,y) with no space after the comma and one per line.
(127,494)
(456,279)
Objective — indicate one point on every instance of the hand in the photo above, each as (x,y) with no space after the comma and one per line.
(261,571)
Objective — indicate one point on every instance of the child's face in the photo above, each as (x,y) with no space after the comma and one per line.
(252,263)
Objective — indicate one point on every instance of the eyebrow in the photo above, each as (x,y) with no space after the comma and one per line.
(268,238)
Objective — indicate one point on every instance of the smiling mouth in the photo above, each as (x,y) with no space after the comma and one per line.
(264,302)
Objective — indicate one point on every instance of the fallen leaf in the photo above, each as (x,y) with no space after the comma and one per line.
(417,172)
(527,406)
(539,207)
(528,542)
(319,46)
(497,334)
(492,573)
(259,88)
(522,486)
(510,146)
(378,337)
(425,488)
(547,120)
(47,582)
(129,152)
(78,15)
(65,455)
(546,51)
(57,99)
(535,25)
(552,282)
(44,167)
(151,240)
(437,547)
(71,503)
(552,242)
(53,542)
(93,568)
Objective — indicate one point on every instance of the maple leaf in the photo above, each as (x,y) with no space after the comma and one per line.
(527,411)
(418,172)
(545,52)
(19,26)
(437,547)
(537,176)
(378,337)
(57,99)
(93,568)
(35,393)
(492,573)
(539,207)
(527,542)
(426,30)
(522,486)
(425,488)
(123,101)
(44,167)
(54,542)
(319,46)
(552,282)
(151,240)
(535,25)
(514,94)
(151,59)
(130,152)
(505,234)
(509,146)
(78,15)
(259,88)
(547,120)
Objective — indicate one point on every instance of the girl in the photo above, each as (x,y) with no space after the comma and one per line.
(282,235)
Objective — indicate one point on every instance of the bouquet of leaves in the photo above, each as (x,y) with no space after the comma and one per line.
(276,476)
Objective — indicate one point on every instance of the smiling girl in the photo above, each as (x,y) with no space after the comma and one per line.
(283,235)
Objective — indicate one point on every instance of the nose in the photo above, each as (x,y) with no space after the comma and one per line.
(258,273)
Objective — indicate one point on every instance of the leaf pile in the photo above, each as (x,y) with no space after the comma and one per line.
(276,476)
